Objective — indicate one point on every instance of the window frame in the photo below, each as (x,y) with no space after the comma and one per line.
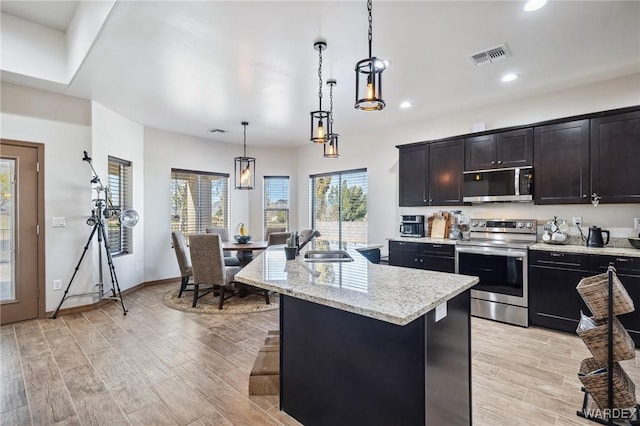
(120,238)
(199,205)
(265,209)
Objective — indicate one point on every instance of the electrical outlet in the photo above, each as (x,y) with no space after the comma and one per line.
(636,223)
(57,284)
(577,220)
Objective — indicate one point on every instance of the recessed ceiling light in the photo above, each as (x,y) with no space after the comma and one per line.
(509,77)
(406,104)
(532,5)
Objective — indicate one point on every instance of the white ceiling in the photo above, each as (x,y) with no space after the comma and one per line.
(52,14)
(192,66)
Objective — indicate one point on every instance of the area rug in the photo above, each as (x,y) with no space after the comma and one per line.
(208,304)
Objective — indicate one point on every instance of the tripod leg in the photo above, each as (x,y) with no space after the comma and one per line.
(66,291)
(112,270)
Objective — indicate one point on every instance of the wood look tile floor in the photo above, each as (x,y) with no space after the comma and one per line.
(158,366)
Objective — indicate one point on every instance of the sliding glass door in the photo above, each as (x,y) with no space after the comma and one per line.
(339,206)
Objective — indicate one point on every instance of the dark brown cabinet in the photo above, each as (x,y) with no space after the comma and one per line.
(507,149)
(561,163)
(414,175)
(432,257)
(554,301)
(431,174)
(445,173)
(615,158)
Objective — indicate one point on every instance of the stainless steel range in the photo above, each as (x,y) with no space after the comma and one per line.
(497,253)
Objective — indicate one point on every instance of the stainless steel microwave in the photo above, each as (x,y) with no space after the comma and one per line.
(509,184)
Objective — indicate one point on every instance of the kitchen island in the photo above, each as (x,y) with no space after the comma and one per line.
(361,344)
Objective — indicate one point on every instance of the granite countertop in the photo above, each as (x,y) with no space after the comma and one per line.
(388,293)
(424,240)
(574,248)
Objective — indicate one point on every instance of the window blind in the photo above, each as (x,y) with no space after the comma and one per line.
(199,200)
(120,194)
(339,205)
(276,204)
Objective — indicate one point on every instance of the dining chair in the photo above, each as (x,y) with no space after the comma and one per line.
(271,229)
(277,238)
(229,259)
(209,269)
(184,263)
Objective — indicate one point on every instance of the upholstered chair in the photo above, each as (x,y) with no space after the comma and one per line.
(271,229)
(184,262)
(229,258)
(277,238)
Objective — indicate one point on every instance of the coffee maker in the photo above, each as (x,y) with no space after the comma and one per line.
(412,226)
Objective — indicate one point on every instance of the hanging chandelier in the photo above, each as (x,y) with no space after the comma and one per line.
(331,147)
(245,167)
(369,77)
(319,118)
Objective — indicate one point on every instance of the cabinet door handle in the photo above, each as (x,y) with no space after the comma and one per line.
(436,245)
(584,195)
(499,161)
(421,260)
(556,254)
(493,162)
(620,259)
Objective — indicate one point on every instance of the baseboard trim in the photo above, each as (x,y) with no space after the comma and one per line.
(91,306)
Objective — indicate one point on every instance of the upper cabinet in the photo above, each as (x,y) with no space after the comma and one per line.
(413,169)
(615,158)
(431,174)
(561,163)
(507,149)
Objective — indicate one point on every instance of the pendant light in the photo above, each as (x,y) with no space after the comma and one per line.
(319,118)
(245,167)
(331,147)
(369,77)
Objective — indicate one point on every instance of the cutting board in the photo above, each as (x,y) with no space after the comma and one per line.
(438,228)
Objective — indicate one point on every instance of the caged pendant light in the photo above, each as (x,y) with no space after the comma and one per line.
(319,118)
(244,167)
(331,147)
(369,76)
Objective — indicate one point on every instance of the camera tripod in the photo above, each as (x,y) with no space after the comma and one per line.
(98,228)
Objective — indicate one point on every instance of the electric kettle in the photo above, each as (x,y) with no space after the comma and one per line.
(595,237)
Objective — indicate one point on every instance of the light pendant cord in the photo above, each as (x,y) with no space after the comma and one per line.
(369,7)
(320,78)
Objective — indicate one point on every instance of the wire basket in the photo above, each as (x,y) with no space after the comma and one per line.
(595,293)
(594,376)
(596,340)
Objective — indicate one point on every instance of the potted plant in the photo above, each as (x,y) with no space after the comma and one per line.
(291,248)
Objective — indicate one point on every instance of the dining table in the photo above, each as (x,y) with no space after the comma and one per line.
(245,250)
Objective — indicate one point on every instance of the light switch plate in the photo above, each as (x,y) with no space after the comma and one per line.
(59,222)
(57,284)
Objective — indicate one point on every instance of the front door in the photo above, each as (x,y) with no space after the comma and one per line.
(19,212)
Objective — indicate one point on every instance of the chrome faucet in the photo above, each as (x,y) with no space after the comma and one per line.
(307,240)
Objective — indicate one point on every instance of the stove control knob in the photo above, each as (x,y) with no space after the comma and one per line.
(529,224)
(474,223)
(482,224)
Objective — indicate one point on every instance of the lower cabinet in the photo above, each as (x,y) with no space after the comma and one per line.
(554,301)
(432,257)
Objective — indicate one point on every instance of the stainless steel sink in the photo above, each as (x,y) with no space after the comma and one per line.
(327,256)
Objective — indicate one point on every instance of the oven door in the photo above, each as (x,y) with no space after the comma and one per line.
(502,273)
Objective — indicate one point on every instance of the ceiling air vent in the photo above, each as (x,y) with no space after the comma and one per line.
(218,131)
(490,55)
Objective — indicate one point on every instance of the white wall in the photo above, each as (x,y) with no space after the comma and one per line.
(164,151)
(377,152)
(116,136)
(63,125)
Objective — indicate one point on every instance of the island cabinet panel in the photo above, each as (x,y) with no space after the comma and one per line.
(414,175)
(561,163)
(554,301)
(340,368)
(615,158)
(406,254)
(628,271)
(445,173)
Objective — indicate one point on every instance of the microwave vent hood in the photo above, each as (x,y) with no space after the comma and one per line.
(498,185)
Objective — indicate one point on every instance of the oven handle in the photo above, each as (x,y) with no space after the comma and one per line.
(497,252)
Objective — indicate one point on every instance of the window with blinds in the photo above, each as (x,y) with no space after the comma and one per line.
(199,200)
(339,205)
(276,204)
(120,238)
